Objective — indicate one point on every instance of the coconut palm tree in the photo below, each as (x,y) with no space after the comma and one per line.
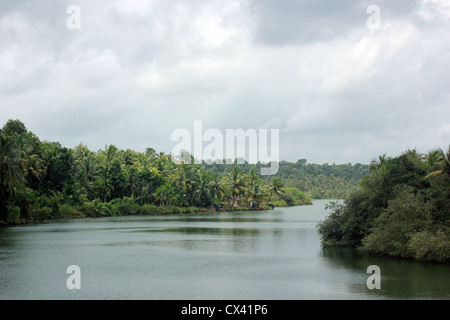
(444,161)
(256,193)
(236,182)
(216,187)
(434,157)
(34,170)
(10,168)
(202,194)
(275,187)
(10,174)
(378,165)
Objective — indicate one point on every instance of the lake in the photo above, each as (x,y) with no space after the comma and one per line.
(274,254)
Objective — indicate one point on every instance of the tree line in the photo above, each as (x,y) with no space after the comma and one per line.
(401,209)
(42,180)
(321,181)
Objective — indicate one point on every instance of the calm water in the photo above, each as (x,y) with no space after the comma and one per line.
(273,254)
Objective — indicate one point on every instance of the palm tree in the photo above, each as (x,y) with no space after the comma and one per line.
(185,178)
(434,157)
(34,170)
(414,155)
(275,187)
(253,176)
(161,162)
(48,156)
(236,182)
(379,165)
(444,161)
(256,193)
(216,187)
(165,194)
(202,194)
(10,170)
(87,172)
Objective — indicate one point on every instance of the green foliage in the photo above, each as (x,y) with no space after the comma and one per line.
(67,211)
(48,181)
(14,127)
(148,209)
(13,214)
(431,245)
(294,197)
(399,210)
(40,214)
(321,181)
(95,209)
(407,214)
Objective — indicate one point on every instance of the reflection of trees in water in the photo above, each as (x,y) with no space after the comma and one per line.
(7,239)
(236,239)
(400,279)
(236,218)
(216,231)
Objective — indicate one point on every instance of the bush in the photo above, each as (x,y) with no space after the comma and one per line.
(331,228)
(123,206)
(94,209)
(431,246)
(67,211)
(13,214)
(190,210)
(294,197)
(397,212)
(177,210)
(37,213)
(148,209)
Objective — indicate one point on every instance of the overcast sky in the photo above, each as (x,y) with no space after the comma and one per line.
(339,87)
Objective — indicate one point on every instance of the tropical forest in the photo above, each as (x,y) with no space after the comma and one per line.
(394,206)
(42,180)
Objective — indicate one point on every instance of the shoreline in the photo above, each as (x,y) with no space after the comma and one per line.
(163,212)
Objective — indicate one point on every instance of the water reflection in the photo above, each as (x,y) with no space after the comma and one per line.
(264,255)
(212,231)
(400,279)
(213,239)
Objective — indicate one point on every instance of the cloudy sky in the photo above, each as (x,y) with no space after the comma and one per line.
(342,85)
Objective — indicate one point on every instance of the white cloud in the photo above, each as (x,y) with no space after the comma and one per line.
(137,70)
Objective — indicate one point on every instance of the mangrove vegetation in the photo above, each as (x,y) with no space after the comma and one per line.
(401,209)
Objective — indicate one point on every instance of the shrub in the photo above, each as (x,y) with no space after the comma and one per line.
(190,210)
(95,208)
(177,210)
(148,209)
(13,214)
(67,211)
(406,215)
(431,246)
(37,213)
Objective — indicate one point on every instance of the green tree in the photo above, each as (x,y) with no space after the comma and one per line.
(444,162)
(275,187)
(14,127)
(236,185)
(257,193)
(10,174)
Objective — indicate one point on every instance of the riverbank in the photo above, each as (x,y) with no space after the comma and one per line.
(125,207)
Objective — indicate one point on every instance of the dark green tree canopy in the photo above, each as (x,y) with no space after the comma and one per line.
(14,127)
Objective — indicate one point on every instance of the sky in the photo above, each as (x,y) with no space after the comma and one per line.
(341,81)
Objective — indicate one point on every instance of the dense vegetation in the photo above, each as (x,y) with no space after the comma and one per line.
(401,209)
(321,181)
(41,180)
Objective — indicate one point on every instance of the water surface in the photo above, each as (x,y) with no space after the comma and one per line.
(274,254)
